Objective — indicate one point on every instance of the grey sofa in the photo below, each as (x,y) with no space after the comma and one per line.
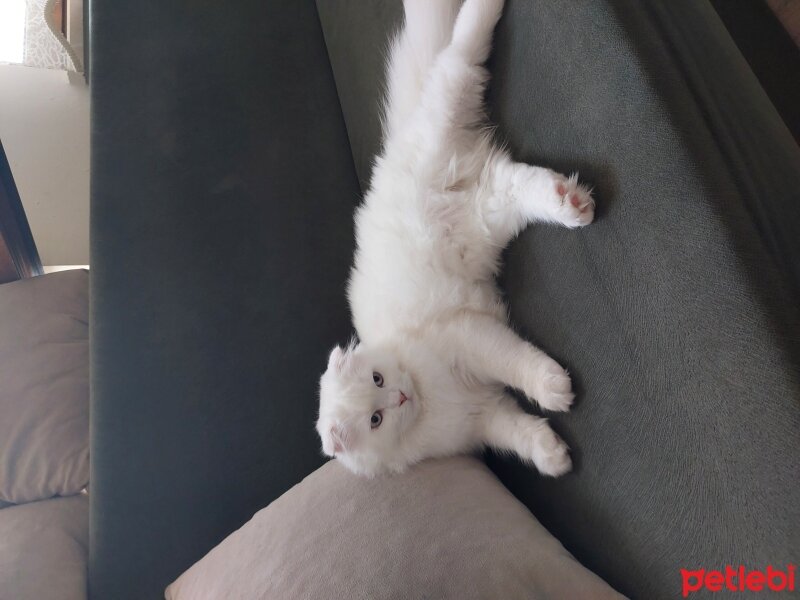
(231,143)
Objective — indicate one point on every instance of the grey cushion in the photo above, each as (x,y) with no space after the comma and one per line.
(677,310)
(44,396)
(446,529)
(43,549)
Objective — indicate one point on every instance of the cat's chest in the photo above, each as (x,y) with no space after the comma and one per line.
(443,374)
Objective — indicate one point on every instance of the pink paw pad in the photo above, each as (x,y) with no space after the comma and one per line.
(575,201)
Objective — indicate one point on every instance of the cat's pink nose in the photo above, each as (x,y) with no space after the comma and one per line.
(403,398)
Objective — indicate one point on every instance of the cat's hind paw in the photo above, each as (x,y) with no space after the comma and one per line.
(550,452)
(575,203)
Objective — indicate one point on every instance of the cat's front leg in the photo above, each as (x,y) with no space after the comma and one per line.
(491,349)
(508,428)
(520,194)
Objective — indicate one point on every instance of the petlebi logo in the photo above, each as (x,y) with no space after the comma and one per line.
(739,579)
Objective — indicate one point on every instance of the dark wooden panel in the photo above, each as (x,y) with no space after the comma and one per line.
(767,46)
(19,258)
(8,272)
(788,13)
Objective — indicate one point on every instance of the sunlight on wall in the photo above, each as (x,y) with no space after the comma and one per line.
(12,30)
(57,268)
(44,125)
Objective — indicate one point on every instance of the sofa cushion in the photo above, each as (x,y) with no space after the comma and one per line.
(444,529)
(44,396)
(43,549)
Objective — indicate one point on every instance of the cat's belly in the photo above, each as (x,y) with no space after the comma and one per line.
(420,262)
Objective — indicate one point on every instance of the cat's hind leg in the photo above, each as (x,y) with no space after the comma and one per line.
(427,28)
(474,27)
(453,94)
(509,429)
(450,117)
(517,194)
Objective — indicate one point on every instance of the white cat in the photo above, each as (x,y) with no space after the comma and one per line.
(427,377)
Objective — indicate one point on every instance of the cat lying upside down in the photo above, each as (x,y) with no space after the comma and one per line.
(435,353)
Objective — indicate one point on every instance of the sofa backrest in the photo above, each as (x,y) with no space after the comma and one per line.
(222,197)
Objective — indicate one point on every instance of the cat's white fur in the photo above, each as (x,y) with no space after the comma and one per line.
(432,329)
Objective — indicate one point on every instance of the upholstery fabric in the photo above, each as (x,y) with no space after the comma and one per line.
(222,198)
(44,548)
(676,311)
(445,529)
(770,52)
(44,394)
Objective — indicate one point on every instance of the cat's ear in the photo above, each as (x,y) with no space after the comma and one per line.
(338,439)
(337,359)
(329,446)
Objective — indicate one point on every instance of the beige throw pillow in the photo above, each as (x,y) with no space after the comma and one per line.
(445,529)
(44,386)
(44,548)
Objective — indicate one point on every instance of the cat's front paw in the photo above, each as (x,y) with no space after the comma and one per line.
(550,452)
(552,388)
(575,203)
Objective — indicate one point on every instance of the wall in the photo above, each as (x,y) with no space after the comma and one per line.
(44,127)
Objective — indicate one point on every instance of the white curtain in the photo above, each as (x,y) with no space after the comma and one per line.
(45,45)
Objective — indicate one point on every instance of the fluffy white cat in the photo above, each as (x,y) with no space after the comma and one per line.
(434,355)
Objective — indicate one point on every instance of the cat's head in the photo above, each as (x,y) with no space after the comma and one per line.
(367,403)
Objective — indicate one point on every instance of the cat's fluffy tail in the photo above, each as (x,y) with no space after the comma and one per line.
(428,28)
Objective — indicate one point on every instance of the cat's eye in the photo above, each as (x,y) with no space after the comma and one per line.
(375,420)
(377,378)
